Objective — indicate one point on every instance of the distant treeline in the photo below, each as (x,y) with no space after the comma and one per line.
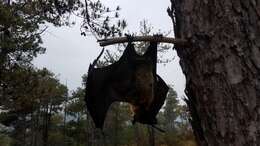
(38,111)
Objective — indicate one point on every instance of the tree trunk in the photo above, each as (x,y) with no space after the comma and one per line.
(222,68)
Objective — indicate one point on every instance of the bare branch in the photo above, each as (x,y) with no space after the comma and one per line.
(106,42)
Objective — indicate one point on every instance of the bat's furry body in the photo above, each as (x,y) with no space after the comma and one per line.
(131,79)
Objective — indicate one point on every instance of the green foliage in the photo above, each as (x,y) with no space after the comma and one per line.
(5,140)
(56,138)
(27,88)
(31,97)
(176,122)
(77,103)
(101,21)
(21,25)
(22,22)
(171,110)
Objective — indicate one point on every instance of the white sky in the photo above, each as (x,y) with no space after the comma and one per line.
(69,54)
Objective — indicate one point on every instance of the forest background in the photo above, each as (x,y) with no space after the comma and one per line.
(38,110)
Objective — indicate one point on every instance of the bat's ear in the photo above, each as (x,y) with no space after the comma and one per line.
(129,37)
(129,53)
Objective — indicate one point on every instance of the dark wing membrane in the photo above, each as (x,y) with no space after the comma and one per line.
(109,84)
(96,100)
(160,95)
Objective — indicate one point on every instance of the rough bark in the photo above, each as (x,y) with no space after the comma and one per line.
(222,68)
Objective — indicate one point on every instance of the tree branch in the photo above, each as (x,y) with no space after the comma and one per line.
(179,42)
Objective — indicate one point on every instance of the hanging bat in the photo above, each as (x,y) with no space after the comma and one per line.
(131,79)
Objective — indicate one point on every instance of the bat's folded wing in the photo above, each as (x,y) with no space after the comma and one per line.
(149,116)
(160,95)
(96,99)
(105,86)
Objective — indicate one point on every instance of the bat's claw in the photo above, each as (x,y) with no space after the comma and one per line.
(129,37)
(159,36)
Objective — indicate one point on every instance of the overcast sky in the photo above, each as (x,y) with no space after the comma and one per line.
(69,54)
